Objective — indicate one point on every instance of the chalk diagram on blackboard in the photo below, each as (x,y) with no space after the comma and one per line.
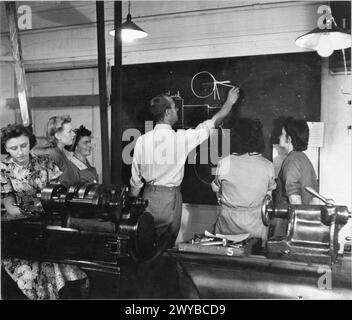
(186,109)
(204,84)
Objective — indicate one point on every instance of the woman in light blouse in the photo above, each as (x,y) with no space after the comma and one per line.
(242,181)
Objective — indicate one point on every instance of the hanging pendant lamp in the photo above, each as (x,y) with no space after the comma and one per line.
(326,40)
(129,30)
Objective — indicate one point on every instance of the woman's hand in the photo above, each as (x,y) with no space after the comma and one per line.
(215,187)
(10,206)
(13,210)
(218,197)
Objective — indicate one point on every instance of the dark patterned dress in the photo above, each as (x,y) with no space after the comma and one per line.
(37,280)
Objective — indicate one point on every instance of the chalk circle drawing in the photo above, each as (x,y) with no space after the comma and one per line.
(204,84)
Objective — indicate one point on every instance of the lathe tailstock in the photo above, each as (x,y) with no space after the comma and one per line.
(312,230)
(95,226)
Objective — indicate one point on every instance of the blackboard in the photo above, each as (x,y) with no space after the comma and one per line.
(272,86)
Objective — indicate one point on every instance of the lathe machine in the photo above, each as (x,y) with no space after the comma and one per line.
(312,230)
(95,226)
(100,228)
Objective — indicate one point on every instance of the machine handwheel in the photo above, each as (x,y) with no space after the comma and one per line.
(140,228)
(73,190)
(49,193)
(265,212)
(83,190)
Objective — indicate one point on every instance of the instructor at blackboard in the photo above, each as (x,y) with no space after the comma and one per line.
(159,159)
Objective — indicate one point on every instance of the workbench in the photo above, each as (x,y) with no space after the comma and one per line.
(258,277)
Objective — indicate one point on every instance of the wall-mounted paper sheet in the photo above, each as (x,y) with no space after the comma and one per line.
(316,134)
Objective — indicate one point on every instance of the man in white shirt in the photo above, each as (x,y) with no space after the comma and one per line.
(159,159)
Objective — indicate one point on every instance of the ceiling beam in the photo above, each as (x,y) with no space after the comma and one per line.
(57,101)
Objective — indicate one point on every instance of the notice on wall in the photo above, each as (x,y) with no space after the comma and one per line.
(316,134)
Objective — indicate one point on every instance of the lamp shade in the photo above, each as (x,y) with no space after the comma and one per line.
(130,31)
(325,41)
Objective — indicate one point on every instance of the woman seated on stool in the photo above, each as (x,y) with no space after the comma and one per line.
(23,176)
(243,179)
(82,147)
(60,136)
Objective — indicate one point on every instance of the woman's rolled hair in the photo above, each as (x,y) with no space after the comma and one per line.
(80,132)
(55,124)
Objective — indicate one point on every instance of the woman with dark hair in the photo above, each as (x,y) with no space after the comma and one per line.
(23,176)
(243,179)
(82,148)
(296,173)
(60,136)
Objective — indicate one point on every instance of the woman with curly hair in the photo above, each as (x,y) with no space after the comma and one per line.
(60,137)
(82,148)
(243,179)
(23,176)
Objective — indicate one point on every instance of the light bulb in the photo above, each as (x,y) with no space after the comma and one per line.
(325,51)
(129,35)
(324,47)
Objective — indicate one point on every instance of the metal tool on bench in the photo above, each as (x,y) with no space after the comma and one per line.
(312,232)
(213,242)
